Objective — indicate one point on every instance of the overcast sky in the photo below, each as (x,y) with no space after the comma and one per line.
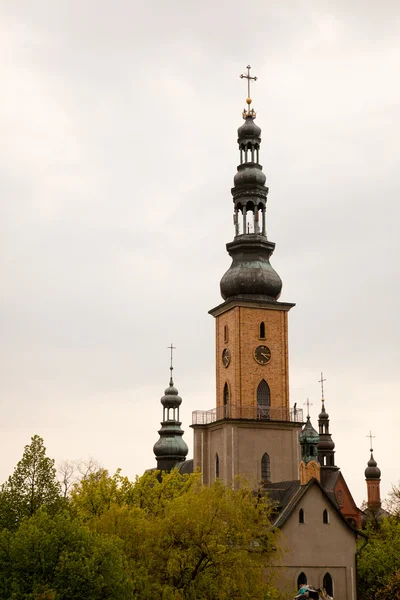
(117,153)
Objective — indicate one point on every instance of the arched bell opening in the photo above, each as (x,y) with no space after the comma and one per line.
(263,400)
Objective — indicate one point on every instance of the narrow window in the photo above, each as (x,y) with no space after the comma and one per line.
(265,468)
(226,401)
(216,466)
(262,330)
(226,333)
(301,516)
(327,584)
(226,394)
(340,498)
(263,400)
(301,580)
(325,518)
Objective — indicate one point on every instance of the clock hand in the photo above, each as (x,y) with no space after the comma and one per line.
(266,355)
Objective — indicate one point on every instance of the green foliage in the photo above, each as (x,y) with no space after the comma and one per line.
(379,562)
(56,558)
(193,542)
(32,485)
(164,536)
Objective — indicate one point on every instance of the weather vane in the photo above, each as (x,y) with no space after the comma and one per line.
(308,403)
(370,436)
(248,113)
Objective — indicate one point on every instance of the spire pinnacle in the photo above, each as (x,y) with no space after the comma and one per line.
(171,368)
(308,403)
(249,112)
(370,436)
(321,381)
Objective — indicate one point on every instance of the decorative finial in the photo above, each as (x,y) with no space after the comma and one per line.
(172,348)
(308,403)
(249,112)
(321,381)
(370,436)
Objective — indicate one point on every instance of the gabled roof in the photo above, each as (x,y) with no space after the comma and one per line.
(286,495)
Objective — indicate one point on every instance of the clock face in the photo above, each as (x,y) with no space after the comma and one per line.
(226,357)
(262,354)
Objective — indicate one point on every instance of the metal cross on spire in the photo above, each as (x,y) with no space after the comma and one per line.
(248,113)
(308,403)
(172,348)
(321,381)
(370,436)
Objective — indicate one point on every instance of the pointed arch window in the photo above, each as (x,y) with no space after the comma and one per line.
(301,516)
(263,400)
(325,517)
(226,401)
(265,468)
(301,580)
(327,584)
(262,330)
(216,466)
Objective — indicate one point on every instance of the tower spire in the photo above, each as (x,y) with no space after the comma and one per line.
(170,449)
(250,275)
(373,479)
(326,446)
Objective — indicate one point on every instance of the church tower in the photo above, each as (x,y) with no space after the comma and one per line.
(252,431)
(373,479)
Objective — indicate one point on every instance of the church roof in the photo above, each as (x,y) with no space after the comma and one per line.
(286,495)
(185,467)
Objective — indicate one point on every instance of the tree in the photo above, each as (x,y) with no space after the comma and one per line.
(379,562)
(184,541)
(32,485)
(54,557)
(71,472)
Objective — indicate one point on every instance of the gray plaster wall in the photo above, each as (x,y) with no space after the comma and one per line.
(240,446)
(316,548)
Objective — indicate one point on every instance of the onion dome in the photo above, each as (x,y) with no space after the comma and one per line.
(372,471)
(249,131)
(171,449)
(251,273)
(171,399)
(323,415)
(249,174)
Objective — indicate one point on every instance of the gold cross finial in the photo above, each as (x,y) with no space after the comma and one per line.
(248,113)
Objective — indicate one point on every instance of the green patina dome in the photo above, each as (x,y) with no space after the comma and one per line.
(170,449)
(309,439)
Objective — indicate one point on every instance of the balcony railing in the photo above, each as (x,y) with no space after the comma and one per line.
(255,413)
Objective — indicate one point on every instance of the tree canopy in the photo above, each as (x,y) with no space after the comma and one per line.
(163,536)
(379,560)
(32,485)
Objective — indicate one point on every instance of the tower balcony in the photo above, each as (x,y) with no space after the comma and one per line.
(249,413)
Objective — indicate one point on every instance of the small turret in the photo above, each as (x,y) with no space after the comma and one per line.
(309,465)
(171,449)
(373,479)
(326,446)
